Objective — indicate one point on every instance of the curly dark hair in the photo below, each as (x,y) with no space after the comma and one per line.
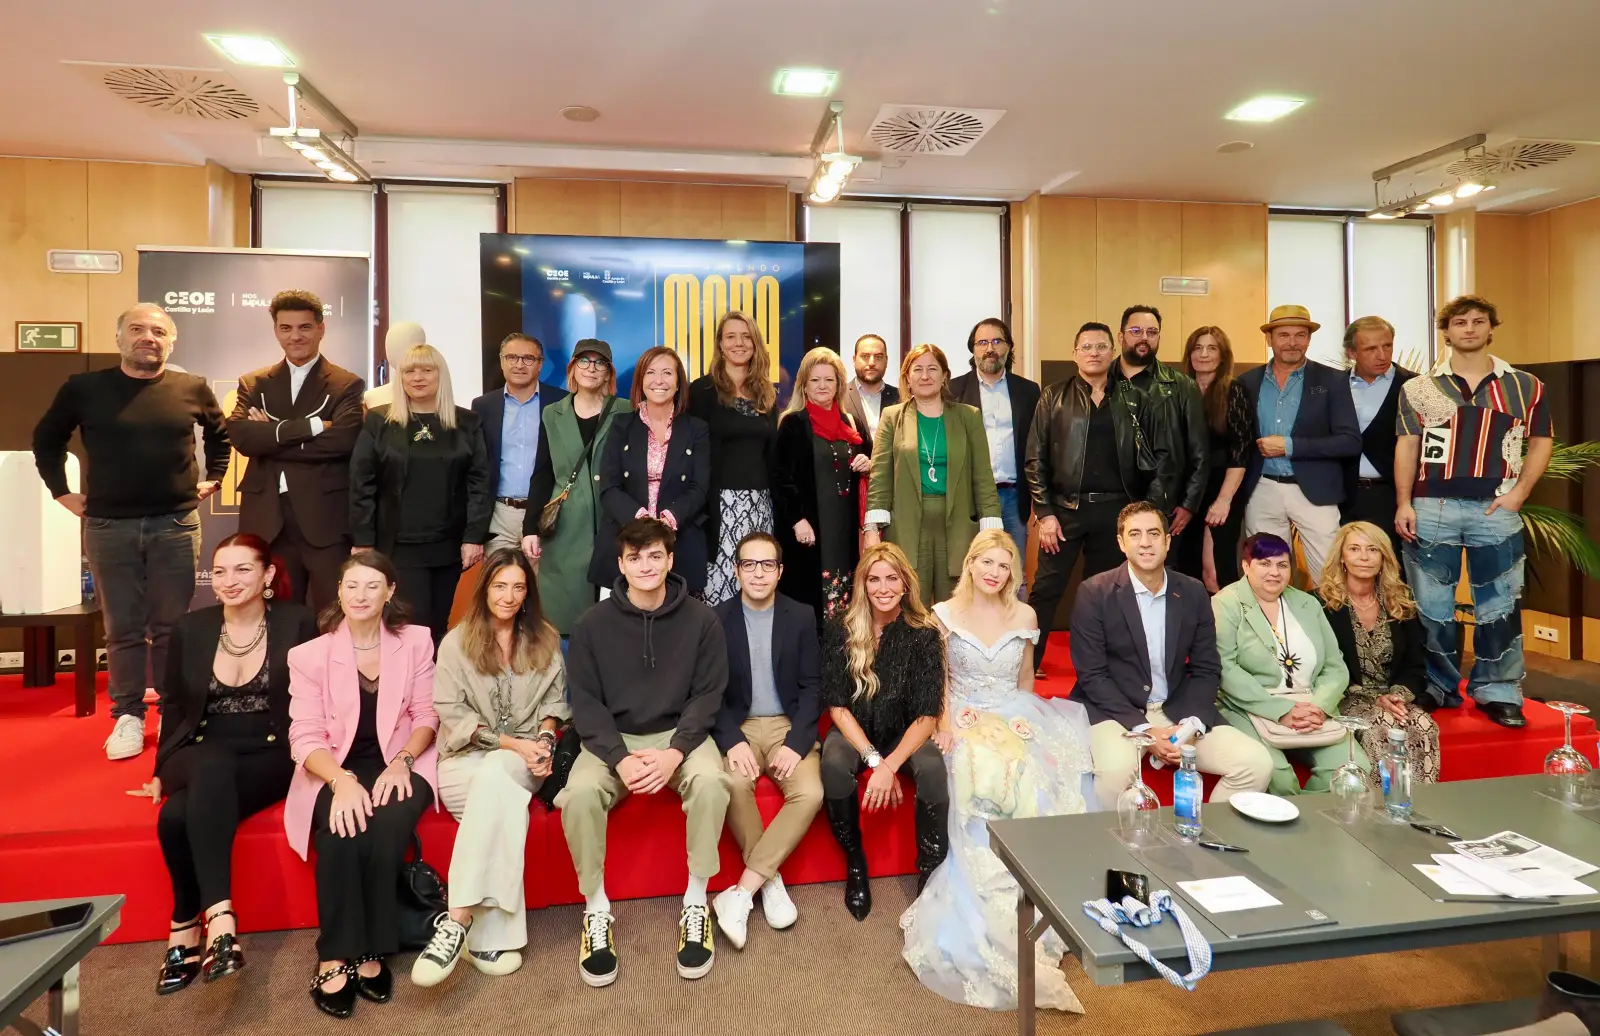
(296,300)
(1466,304)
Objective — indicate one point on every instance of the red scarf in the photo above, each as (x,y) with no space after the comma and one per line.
(830,424)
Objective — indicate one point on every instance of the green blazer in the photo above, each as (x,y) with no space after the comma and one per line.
(1249,654)
(894,494)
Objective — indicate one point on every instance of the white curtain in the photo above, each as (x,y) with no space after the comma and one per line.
(1390,261)
(956,278)
(868,236)
(1305,267)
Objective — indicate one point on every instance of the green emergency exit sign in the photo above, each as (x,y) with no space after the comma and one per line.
(48,338)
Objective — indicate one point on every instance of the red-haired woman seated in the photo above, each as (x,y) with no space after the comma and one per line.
(224,748)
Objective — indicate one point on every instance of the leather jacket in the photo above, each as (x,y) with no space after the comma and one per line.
(1061,427)
(1189,436)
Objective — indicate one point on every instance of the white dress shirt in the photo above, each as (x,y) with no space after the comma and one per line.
(297,378)
(995,402)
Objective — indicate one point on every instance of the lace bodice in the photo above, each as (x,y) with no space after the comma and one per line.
(981,676)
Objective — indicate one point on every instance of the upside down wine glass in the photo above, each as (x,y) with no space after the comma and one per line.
(1566,764)
(1138,809)
(1350,785)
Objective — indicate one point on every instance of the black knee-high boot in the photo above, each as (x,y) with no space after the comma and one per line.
(844,816)
(933,838)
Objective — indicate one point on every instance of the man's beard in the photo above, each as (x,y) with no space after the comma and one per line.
(868,378)
(991,364)
(142,362)
(1130,356)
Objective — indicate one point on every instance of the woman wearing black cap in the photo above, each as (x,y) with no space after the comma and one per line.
(572,436)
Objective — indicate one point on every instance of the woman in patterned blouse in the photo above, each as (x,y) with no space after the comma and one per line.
(1374,618)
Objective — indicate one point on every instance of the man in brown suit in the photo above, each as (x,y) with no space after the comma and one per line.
(297,422)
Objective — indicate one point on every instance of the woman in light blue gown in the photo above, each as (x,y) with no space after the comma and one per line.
(1010,754)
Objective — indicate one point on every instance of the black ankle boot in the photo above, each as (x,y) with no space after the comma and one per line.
(844,816)
(933,838)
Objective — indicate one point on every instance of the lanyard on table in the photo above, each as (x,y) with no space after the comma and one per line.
(1109,916)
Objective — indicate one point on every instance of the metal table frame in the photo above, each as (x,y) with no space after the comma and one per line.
(57,976)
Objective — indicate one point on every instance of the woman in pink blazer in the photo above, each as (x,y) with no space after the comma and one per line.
(361,732)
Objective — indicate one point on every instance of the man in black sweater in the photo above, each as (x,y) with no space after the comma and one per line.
(141,490)
(646,670)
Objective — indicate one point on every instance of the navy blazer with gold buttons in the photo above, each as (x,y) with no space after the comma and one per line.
(625,488)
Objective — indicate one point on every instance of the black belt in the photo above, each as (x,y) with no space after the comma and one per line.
(1290,479)
(1103,498)
(1005,485)
(519,502)
(1367,483)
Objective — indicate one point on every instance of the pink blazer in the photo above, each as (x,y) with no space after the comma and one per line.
(325,705)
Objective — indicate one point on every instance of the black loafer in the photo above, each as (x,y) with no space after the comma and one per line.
(341,1003)
(1504,713)
(379,988)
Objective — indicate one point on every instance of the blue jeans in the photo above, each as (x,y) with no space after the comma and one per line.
(1493,546)
(144,579)
(1017,529)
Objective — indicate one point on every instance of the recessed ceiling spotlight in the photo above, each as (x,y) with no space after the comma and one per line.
(579,113)
(1233,147)
(1264,109)
(252,50)
(804,82)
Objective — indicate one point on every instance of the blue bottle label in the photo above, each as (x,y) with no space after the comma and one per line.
(1186,796)
(1384,771)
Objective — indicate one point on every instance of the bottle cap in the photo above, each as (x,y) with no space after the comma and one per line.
(1396,735)
(1187,751)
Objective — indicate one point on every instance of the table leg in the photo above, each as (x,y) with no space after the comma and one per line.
(1025,976)
(64,1003)
(1553,953)
(38,656)
(83,666)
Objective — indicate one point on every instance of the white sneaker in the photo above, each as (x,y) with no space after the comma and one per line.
(127,738)
(733,906)
(495,962)
(776,905)
(435,963)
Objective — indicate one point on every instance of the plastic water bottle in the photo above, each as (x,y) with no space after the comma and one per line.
(1394,768)
(1185,733)
(1187,791)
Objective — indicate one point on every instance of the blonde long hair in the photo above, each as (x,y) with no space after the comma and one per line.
(757,378)
(1392,590)
(444,401)
(989,539)
(821,354)
(860,642)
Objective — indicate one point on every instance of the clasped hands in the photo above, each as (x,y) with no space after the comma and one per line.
(742,760)
(536,754)
(646,770)
(1304,718)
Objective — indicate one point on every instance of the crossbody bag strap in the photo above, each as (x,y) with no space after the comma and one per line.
(588,450)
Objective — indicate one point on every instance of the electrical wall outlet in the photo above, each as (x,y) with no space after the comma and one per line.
(101,658)
(66,658)
(1549,633)
(10,660)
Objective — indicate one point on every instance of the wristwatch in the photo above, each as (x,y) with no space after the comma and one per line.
(873,759)
(409,759)
(549,737)
(486,739)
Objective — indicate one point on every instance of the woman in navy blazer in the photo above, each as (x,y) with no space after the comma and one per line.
(657,463)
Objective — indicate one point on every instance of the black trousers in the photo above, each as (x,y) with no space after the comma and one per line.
(1091,530)
(313,571)
(358,879)
(211,787)
(1374,501)
(1188,549)
(428,584)
(841,764)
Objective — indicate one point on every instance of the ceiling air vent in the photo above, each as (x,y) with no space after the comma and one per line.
(180,92)
(912,129)
(1516,157)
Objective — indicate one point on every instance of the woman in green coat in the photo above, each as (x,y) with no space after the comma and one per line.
(1280,662)
(572,437)
(932,486)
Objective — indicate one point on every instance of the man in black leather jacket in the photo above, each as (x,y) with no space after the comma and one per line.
(1096,444)
(1140,340)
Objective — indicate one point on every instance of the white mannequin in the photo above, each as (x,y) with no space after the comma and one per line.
(401,337)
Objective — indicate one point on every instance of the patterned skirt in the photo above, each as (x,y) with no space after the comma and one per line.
(743,511)
(1422,737)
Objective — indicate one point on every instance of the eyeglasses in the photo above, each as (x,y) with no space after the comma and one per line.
(1094,347)
(1142,332)
(984,343)
(765,565)
(598,363)
(523,361)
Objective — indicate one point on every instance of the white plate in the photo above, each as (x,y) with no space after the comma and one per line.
(1258,805)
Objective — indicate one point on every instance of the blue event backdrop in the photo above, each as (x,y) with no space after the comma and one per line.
(636,293)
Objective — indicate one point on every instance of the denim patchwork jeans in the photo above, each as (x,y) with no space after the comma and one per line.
(1447,528)
(144,579)
(1017,529)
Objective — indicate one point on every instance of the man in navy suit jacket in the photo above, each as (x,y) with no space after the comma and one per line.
(768,724)
(1306,432)
(1145,648)
(510,418)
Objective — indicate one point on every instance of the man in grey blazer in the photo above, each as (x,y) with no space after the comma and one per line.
(868,395)
(1144,644)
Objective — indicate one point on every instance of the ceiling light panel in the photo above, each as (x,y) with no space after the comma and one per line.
(804,82)
(252,50)
(1264,109)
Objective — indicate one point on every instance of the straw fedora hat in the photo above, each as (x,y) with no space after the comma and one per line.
(1290,316)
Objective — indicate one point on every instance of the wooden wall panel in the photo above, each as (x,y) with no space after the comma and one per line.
(43,205)
(1066,273)
(1136,244)
(588,207)
(1454,254)
(757,213)
(630,208)
(1536,286)
(1501,254)
(132,205)
(1228,245)
(1574,281)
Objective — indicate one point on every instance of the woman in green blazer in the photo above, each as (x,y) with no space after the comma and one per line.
(572,435)
(932,485)
(1275,641)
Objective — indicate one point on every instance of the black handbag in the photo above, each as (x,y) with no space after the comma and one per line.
(566,753)
(423,897)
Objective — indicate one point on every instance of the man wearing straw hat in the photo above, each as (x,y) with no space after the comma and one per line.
(1306,429)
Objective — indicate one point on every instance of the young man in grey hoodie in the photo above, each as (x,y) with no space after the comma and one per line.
(646,670)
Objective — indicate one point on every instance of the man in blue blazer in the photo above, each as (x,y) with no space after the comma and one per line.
(1306,433)
(510,417)
(768,724)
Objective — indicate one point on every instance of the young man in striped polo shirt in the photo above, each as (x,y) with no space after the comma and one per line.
(1474,438)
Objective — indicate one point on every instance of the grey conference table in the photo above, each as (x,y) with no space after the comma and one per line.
(33,967)
(1060,862)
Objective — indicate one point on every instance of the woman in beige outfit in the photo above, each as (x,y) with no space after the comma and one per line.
(500,691)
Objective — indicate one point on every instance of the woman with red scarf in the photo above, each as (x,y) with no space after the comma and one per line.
(819,487)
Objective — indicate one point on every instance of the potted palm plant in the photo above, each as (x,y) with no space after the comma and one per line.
(1557,533)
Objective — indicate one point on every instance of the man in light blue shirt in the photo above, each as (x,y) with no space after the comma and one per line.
(1375,381)
(510,419)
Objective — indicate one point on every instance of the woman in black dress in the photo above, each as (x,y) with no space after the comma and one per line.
(224,749)
(818,467)
(1209,550)
(420,489)
(736,400)
(883,673)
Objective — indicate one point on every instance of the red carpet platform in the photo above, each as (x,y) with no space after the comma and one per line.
(68,828)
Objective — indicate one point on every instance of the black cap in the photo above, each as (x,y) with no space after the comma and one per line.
(592,345)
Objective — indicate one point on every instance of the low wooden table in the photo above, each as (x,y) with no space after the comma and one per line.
(39,648)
